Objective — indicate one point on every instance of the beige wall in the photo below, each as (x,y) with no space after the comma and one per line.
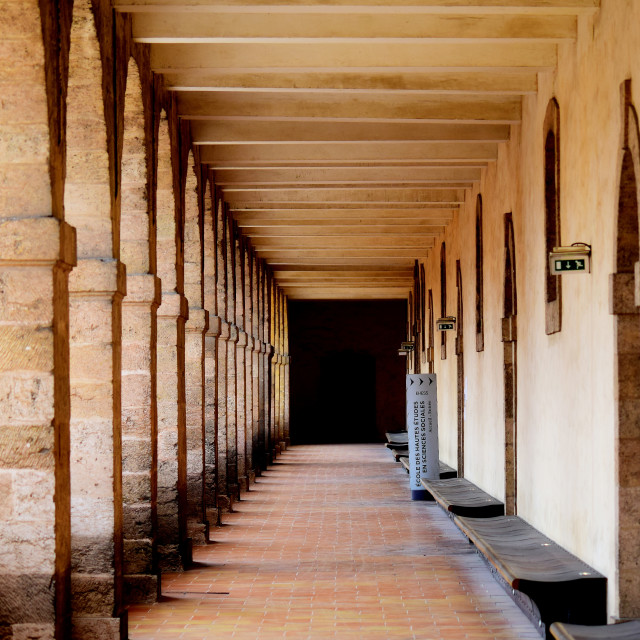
(566,393)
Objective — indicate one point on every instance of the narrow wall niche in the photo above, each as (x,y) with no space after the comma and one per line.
(443,299)
(552,284)
(509,339)
(624,298)
(431,332)
(460,369)
(479,277)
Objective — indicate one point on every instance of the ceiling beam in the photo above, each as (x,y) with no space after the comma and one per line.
(355,55)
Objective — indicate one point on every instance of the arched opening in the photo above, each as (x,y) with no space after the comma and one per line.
(479,277)
(624,297)
(553,284)
(139,356)
(460,369)
(509,339)
(96,287)
(423,318)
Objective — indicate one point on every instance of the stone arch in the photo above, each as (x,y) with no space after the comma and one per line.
(139,355)
(553,284)
(460,367)
(509,339)
(479,277)
(625,298)
(96,289)
(443,298)
(173,547)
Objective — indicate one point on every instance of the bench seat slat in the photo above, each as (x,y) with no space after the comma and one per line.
(460,497)
(445,470)
(623,631)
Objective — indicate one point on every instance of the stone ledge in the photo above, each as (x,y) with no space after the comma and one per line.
(242,339)
(215,326)
(37,241)
(174,305)
(233,333)
(143,288)
(99,277)
(198,320)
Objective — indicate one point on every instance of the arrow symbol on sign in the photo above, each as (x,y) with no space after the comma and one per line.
(430,381)
(421,381)
(411,380)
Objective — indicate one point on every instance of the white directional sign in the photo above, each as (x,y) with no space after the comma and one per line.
(422,427)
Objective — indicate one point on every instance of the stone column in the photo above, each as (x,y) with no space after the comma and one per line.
(174,547)
(287,383)
(210,420)
(255,378)
(224,501)
(195,331)
(270,384)
(248,404)
(139,437)
(232,433)
(36,255)
(241,424)
(96,288)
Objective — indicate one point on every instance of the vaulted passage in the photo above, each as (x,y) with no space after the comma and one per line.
(328,544)
(228,231)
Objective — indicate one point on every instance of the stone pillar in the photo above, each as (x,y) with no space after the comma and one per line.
(195,330)
(36,255)
(139,437)
(224,500)
(287,388)
(96,288)
(248,404)
(270,393)
(232,433)
(241,424)
(210,420)
(255,377)
(174,547)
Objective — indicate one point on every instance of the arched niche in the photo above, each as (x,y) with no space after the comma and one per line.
(443,298)
(552,283)
(479,277)
(193,230)
(624,298)
(510,353)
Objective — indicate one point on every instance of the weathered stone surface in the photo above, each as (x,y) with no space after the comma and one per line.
(138,556)
(33,631)
(26,598)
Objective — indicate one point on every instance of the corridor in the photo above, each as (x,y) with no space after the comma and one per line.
(327,544)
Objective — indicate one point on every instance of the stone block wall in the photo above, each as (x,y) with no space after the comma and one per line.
(133,382)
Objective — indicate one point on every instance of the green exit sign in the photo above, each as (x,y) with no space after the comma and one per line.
(570,264)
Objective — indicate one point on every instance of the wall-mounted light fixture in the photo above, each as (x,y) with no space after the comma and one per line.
(406,348)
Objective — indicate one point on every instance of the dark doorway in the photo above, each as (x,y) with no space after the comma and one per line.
(347,379)
(346,390)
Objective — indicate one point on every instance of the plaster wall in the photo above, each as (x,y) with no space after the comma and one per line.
(566,417)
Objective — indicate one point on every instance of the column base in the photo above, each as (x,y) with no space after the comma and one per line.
(141,588)
(288,442)
(243,484)
(234,491)
(283,446)
(251,475)
(225,504)
(213,517)
(170,558)
(198,532)
(100,628)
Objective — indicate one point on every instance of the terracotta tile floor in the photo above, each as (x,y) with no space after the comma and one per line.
(327,544)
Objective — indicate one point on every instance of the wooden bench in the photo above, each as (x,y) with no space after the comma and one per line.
(458,496)
(546,581)
(445,470)
(622,631)
(398,437)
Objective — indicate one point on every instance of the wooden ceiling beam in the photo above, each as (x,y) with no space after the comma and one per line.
(312,108)
(338,154)
(355,55)
(364,195)
(336,216)
(432,7)
(170,27)
(352,231)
